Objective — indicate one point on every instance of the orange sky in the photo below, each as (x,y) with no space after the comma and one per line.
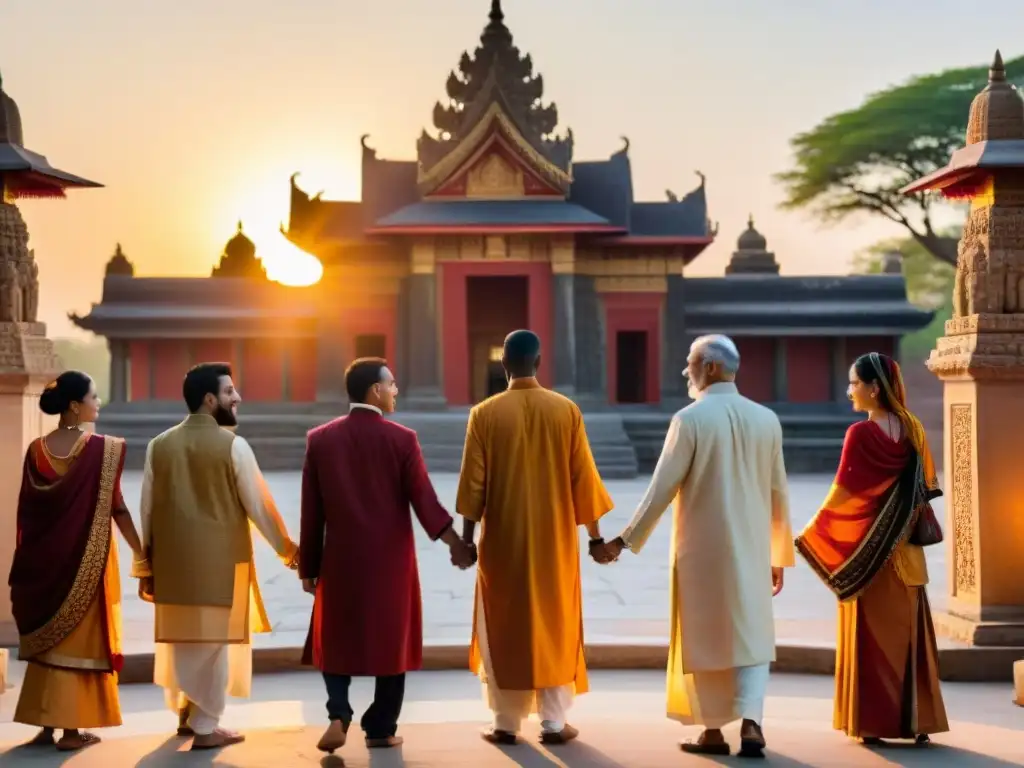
(194,114)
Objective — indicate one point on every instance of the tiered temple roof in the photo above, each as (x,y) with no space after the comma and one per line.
(495,163)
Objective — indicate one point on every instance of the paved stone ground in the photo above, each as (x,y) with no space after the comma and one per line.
(622,725)
(625,602)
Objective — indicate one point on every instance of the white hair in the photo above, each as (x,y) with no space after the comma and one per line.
(717,348)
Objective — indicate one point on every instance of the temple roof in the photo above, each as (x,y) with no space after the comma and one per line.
(26,173)
(436,216)
(769,305)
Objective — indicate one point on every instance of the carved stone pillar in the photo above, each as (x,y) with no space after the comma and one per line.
(27,363)
(780,385)
(563,345)
(118,370)
(675,344)
(423,390)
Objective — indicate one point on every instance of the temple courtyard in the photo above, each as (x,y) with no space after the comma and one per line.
(624,603)
(622,724)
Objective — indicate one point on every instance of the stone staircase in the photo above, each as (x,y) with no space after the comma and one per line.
(279,439)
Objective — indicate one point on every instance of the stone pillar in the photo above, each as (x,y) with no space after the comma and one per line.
(563,343)
(840,370)
(591,369)
(423,389)
(675,345)
(780,385)
(27,363)
(118,370)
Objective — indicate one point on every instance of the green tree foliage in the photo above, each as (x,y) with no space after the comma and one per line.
(91,357)
(929,282)
(858,160)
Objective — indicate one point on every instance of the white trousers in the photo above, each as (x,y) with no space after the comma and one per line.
(203,674)
(724,696)
(510,708)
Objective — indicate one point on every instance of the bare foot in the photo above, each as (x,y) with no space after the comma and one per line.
(334,737)
(219,738)
(72,741)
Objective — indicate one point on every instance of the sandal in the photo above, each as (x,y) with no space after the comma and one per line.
(78,741)
(703,746)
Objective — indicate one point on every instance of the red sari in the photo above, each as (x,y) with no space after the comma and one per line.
(65,585)
(887,682)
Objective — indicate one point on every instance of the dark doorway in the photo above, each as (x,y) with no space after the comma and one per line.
(495,306)
(631,366)
(371,345)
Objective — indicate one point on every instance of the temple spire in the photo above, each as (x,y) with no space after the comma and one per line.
(997,72)
(496,13)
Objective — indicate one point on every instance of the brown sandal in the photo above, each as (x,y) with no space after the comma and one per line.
(564,736)
(495,736)
(702,746)
(216,740)
(80,740)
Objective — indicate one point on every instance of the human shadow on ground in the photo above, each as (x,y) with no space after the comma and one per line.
(578,754)
(909,755)
(177,752)
(27,755)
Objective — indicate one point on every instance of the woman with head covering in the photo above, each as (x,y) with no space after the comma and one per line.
(65,583)
(866,543)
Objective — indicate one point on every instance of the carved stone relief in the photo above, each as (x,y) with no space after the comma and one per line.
(965,577)
(495,178)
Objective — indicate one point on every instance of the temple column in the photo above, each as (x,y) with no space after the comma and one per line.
(780,383)
(563,267)
(423,391)
(118,370)
(591,368)
(333,343)
(675,344)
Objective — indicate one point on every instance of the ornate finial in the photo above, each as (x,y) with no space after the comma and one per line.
(625,145)
(672,196)
(750,221)
(239,226)
(294,177)
(703,178)
(997,72)
(496,15)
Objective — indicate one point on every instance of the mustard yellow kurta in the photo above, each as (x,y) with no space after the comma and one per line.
(529,477)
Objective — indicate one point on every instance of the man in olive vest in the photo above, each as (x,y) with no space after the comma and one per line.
(201,487)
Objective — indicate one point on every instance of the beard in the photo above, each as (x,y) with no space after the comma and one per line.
(692,390)
(225,417)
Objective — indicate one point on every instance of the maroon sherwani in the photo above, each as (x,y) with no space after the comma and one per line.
(361,475)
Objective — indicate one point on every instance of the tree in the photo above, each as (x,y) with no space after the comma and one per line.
(858,160)
(929,282)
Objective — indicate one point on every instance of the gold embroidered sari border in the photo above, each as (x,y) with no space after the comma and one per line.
(94,561)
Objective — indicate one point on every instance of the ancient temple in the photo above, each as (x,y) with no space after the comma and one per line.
(496,225)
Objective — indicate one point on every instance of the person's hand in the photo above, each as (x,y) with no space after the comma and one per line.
(463,554)
(600,551)
(777,579)
(309,585)
(615,547)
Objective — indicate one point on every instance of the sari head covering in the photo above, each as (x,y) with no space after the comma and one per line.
(879,490)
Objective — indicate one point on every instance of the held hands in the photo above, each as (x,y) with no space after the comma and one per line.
(605,552)
(777,579)
(309,586)
(463,554)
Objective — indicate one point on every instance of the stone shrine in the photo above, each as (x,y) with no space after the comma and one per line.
(980,361)
(27,357)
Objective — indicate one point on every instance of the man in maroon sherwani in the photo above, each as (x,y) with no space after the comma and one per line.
(357,554)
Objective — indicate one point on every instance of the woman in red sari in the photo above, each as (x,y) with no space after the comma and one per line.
(65,583)
(862,545)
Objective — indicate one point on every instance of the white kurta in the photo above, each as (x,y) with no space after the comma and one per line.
(205,673)
(722,464)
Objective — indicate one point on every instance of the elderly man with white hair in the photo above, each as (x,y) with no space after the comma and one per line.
(722,464)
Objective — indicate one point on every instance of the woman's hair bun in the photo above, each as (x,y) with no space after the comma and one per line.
(70,387)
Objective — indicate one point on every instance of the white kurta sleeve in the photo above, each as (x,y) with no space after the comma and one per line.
(259,503)
(672,469)
(783,553)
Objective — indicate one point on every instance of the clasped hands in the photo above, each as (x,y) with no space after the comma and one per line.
(605,552)
(463,554)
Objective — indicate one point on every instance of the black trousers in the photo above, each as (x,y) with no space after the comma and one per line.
(381,719)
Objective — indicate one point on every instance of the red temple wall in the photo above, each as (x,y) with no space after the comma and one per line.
(380,319)
(808,369)
(263,368)
(171,360)
(453,305)
(862,345)
(302,370)
(634,312)
(138,354)
(756,378)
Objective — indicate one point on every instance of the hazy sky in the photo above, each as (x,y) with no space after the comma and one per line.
(194,113)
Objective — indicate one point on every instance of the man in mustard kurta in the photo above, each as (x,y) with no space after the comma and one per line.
(529,477)
(201,489)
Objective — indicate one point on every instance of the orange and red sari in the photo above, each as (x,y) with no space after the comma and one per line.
(887,677)
(66,587)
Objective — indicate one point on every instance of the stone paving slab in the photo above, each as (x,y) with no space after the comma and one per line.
(622,725)
(625,602)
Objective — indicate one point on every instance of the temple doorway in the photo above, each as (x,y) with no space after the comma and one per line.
(495,306)
(631,366)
